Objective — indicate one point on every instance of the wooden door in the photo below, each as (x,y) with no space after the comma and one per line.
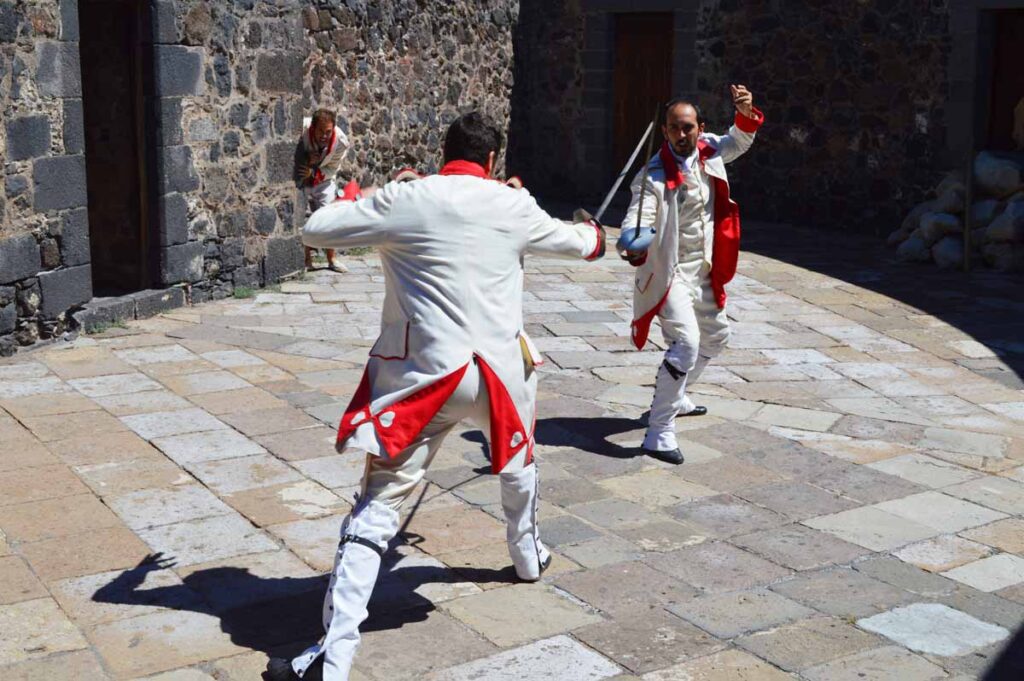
(642,76)
(112,107)
(1007,78)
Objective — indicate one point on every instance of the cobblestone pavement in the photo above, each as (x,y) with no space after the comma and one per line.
(849,509)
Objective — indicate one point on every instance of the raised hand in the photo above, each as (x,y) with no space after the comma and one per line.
(157,561)
(742,99)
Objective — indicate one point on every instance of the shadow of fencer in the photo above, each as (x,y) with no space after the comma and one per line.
(590,434)
(282,615)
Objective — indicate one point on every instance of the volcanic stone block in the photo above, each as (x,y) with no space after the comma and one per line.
(182,263)
(59,183)
(74,237)
(173,220)
(63,289)
(10,17)
(154,301)
(28,137)
(8,318)
(58,73)
(166,113)
(235,223)
(264,219)
(284,256)
(104,311)
(279,72)
(165,25)
(74,131)
(15,185)
(232,253)
(69,20)
(19,258)
(178,70)
(249,277)
(177,174)
(222,75)
(280,161)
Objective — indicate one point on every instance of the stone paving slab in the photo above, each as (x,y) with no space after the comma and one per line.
(862,458)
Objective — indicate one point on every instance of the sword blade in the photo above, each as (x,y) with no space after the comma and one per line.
(625,171)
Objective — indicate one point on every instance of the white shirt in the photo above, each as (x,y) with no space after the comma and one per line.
(696,217)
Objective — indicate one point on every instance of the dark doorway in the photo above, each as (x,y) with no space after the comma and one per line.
(112,103)
(1007,91)
(642,76)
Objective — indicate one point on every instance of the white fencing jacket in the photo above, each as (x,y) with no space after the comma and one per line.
(451,246)
(323,188)
(666,188)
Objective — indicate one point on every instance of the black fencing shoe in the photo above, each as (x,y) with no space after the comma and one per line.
(698,410)
(280,669)
(672,456)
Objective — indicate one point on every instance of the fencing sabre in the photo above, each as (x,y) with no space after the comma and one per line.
(634,241)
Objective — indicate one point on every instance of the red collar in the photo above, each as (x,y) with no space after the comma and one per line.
(464,168)
(673,173)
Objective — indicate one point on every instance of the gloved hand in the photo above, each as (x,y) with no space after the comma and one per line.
(581,216)
(635,258)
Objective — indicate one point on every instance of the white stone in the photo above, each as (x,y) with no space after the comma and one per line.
(995,176)
(142,403)
(535,662)
(232,358)
(227,476)
(924,470)
(336,470)
(116,384)
(163,506)
(164,423)
(799,356)
(1013,410)
(934,629)
(942,553)
(23,370)
(872,528)
(32,386)
(940,511)
(154,355)
(207,446)
(990,574)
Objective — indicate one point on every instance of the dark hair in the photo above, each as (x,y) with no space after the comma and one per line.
(471,137)
(682,100)
(321,115)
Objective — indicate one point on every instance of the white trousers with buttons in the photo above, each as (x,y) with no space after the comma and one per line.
(695,330)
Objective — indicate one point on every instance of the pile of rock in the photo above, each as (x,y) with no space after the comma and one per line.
(934,230)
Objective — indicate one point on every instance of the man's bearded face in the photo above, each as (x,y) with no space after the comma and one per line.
(681,129)
(322,132)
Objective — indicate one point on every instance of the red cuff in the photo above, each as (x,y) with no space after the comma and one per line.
(751,123)
(596,253)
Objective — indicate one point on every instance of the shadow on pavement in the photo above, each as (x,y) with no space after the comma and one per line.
(588,434)
(282,615)
(987,305)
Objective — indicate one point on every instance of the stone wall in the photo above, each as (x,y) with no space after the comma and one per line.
(854,95)
(227,108)
(399,71)
(548,142)
(44,248)
(228,83)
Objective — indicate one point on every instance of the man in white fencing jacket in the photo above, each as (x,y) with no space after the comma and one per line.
(451,348)
(681,279)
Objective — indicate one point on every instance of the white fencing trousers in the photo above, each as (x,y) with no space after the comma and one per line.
(696,330)
(387,483)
